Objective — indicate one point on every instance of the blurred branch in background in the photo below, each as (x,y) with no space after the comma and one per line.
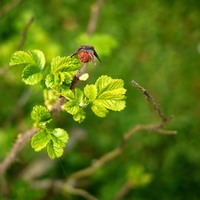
(9,7)
(95,10)
(24,33)
(20,44)
(21,141)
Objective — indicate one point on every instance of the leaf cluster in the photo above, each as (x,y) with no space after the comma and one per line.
(104,95)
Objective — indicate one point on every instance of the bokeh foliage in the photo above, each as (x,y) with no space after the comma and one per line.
(155,43)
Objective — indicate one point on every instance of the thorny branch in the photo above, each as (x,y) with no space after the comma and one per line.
(151,100)
(21,141)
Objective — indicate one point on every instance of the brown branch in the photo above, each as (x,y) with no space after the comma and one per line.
(78,75)
(95,165)
(77,191)
(24,34)
(8,7)
(20,44)
(21,141)
(128,185)
(151,100)
(117,151)
(95,10)
(58,185)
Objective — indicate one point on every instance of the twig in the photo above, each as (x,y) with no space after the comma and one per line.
(57,107)
(78,75)
(8,7)
(95,165)
(95,10)
(21,141)
(115,152)
(151,100)
(24,33)
(20,44)
(58,185)
(77,191)
(124,190)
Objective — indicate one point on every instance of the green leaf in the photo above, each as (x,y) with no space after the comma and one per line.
(71,107)
(90,92)
(49,81)
(68,94)
(64,64)
(34,57)
(75,104)
(21,58)
(38,57)
(79,116)
(54,150)
(60,137)
(31,75)
(99,109)
(40,140)
(55,147)
(40,114)
(110,95)
(33,61)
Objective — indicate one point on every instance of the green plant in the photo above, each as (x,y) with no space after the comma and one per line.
(58,83)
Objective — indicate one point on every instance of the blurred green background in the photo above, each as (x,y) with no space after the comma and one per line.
(156,43)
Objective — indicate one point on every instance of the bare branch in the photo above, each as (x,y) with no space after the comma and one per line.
(124,190)
(21,141)
(61,186)
(77,191)
(8,7)
(24,33)
(95,10)
(115,152)
(78,75)
(151,100)
(95,165)
(20,44)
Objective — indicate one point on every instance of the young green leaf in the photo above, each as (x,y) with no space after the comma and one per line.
(75,104)
(110,95)
(99,109)
(79,116)
(33,61)
(64,64)
(40,140)
(59,137)
(54,150)
(38,57)
(49,81)
(31,75)
(71,107)
(41,115)
(90,92)
(21,58)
